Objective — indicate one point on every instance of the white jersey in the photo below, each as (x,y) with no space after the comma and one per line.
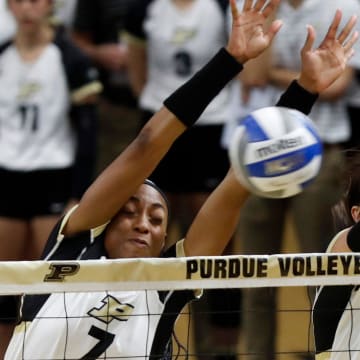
(90,326)
(35,99)
(179,42)
(96,325)
(336,319)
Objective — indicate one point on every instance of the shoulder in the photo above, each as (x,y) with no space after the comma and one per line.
(61,247)
(339,242)
(175,250)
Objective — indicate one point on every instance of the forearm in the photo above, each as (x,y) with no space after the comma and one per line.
(298,98)
(191,99)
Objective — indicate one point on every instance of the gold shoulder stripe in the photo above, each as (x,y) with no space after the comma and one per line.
(323,356)
(131,39)
(80,94)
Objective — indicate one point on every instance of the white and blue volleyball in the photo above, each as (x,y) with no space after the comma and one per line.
(275,152)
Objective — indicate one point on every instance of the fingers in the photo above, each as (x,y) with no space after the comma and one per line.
(348,47)
(347,30)
(247,5)
(274,28)
(234,9)
(259,5)
(333,28)
(310,39)
(270,8)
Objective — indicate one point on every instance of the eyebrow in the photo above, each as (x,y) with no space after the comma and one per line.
(155,204)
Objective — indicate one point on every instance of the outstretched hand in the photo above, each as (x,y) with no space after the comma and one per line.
(324,65)
(248,37)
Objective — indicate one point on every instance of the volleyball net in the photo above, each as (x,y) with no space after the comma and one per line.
(224,273)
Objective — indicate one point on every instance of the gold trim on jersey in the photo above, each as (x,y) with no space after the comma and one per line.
(82,93)
(129,38)
(323,356)
(21,327)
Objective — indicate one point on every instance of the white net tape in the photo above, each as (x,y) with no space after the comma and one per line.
(39,277)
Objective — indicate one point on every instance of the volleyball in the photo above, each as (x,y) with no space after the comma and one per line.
(275,152)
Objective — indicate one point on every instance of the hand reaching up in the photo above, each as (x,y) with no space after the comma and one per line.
(248,37)
(324,65)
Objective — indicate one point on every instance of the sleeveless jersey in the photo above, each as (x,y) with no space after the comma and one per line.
(336,320)
(35,99)
(96,325)
(178,43)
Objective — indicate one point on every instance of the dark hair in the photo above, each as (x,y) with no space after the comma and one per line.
(161,192)
(341,211)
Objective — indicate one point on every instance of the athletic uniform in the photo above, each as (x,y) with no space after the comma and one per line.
(96,325)
(38,144)
(178,43)
(336,320)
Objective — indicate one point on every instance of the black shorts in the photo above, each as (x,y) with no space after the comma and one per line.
(24,195)
(195,163)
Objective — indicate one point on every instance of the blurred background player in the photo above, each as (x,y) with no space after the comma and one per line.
(48,91)
(97,29)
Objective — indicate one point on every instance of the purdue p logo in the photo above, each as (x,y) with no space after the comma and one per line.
(60,270)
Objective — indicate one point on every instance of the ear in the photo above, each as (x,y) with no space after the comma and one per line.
(355,213)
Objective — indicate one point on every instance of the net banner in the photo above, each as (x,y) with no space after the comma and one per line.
(179,273)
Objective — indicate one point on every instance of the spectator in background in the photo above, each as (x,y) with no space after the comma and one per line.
(47,133)
(64,12)
(168,41)
(262,223)
(7,22)
(97,29)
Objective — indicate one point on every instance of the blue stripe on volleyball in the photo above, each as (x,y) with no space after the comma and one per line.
(307,183)
(301,157)
(253,130)
(306,122)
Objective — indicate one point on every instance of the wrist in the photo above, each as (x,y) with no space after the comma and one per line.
(240,59)
(297,97)
(307,85)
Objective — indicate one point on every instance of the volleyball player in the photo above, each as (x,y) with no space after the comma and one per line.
(122,215)
(336,316)
(47,132)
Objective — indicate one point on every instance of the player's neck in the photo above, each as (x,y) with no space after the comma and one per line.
(30,45)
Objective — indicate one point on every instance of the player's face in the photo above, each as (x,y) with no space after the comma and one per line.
(139,229)
(29,14)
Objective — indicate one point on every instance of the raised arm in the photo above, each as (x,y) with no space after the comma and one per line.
(217,220)
(119,181)
(322,66)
